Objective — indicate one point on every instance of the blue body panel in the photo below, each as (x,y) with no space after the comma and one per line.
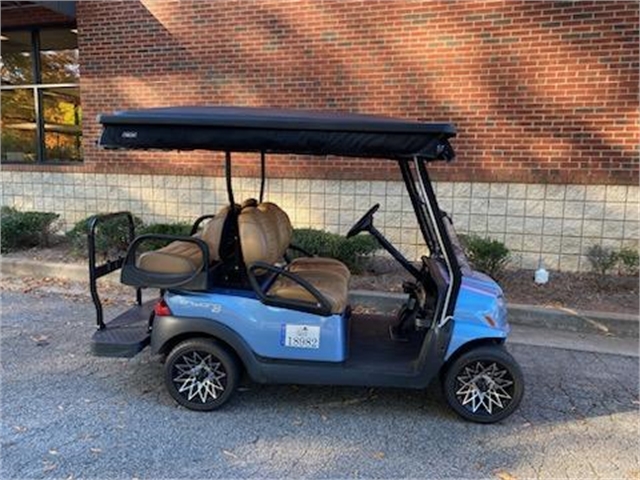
(479,297)
(264,327)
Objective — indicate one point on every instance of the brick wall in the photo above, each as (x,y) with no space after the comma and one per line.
(542,92)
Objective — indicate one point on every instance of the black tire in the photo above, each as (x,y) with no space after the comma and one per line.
(490,370)
(206,372)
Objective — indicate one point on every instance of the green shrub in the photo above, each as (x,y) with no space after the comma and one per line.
(182,229)
(486,255)
(25,229)
(350,251)
(602,259)
(112,236)
(629,261)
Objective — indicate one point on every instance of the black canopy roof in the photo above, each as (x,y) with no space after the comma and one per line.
(246,129)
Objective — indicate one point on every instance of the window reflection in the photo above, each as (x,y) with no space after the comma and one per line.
(62,116)
(18,126)
(59,56)
(17,61)
(51,132)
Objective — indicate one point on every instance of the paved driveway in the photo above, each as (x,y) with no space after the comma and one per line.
(66,414)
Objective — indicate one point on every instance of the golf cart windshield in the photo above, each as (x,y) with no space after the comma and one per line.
(458,249)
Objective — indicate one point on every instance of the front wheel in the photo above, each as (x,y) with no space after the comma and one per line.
(484,385)
(200,374)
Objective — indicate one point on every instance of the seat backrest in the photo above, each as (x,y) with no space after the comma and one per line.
(280,225)
(258,231)
(258,237)
(212,233)
(249,202)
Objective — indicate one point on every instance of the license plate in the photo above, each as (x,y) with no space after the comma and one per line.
(300,336)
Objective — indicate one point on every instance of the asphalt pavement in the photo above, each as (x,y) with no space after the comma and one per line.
(66,414)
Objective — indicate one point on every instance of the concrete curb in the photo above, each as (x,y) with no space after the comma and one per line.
(616,324)
(33,268)
(602,323)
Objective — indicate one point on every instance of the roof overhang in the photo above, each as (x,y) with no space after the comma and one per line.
(66,8)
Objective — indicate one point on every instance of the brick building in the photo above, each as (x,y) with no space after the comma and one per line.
(544,95)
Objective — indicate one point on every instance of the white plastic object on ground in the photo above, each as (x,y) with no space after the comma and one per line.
(542,275)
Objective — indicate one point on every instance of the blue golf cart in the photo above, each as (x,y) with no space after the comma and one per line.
(237,297)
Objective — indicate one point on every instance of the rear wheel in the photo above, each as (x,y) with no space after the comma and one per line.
(200,374)
(484,385)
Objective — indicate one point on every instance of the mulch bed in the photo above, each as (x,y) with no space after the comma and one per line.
(579,291)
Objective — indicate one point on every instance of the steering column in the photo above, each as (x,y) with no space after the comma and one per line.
(365,224)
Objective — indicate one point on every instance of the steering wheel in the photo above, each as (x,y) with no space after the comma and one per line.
(364,223)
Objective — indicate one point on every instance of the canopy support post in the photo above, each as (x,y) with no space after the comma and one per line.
(423,223)
(443,240)
(227,174)
(263,175)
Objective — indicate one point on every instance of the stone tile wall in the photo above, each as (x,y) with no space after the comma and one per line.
(556,223)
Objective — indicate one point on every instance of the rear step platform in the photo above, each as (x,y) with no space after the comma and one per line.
(126,335)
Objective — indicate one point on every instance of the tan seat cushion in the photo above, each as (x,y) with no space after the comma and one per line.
(177,257)
(249,202)
(280,225)
(258,238)
(181,257)
(330,285)
(322,264)
(212,233)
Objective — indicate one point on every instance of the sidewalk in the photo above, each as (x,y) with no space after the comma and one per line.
(530,316)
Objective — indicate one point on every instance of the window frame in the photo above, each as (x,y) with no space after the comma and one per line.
(37,88)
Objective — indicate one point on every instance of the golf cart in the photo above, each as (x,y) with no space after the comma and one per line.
(233,299)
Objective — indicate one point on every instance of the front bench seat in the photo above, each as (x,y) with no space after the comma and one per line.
(283,231)
(333,288)
(184,257)
(325,264)
(259,243)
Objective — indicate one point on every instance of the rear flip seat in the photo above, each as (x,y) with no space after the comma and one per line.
(185,257)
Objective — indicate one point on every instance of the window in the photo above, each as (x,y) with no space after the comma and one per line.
(41,112)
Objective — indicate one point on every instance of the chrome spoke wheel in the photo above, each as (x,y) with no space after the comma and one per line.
(484,387)
(484,384)
(199,376)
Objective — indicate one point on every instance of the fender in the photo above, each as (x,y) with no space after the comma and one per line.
(467,332)
(167,328)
